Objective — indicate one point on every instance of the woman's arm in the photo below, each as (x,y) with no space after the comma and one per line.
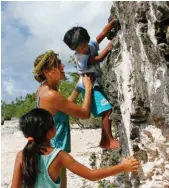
(60,103)
(55,101)
(17,173)
(67,161)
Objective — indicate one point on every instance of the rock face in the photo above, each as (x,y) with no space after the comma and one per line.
(136,79)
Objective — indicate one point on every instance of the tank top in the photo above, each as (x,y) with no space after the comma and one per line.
(62,138)
(43,178)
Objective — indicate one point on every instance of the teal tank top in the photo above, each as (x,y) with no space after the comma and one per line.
(62,138)
(43,178)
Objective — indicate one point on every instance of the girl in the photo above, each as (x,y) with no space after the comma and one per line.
(49,71)
(39,164)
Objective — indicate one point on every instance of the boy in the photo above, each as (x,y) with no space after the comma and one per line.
(88,60)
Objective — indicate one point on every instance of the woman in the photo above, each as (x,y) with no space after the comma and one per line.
(49,71)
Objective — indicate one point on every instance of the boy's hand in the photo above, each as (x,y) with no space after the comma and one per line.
(110,45)
(130,164)
(106,30)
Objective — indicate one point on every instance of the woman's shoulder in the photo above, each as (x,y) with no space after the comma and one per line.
(51,100)
(48,93)
(55,96)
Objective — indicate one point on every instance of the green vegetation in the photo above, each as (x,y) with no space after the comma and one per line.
(22,105)
(105,184)
(19,107)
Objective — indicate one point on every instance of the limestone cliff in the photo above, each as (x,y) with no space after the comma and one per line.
(136,78)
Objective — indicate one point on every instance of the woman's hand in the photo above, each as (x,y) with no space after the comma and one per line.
(88,80)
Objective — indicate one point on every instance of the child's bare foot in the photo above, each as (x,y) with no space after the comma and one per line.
(114,144)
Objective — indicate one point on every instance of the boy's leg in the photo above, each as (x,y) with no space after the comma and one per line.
(102,107)
(63,178)
(107,140)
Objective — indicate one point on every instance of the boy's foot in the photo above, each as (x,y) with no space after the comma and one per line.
(114,144)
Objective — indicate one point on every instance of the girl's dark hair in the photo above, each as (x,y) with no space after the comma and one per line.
(76,36)
(35,124)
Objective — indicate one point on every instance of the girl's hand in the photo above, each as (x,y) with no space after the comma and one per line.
(88,80)
(130,164)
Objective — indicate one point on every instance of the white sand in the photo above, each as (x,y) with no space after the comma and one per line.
(84,142)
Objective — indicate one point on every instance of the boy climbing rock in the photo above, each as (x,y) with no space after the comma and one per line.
(87,60)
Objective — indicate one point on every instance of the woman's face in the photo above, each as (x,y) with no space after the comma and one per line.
(60,71)
(56,73)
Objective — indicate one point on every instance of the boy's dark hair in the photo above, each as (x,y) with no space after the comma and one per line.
(76,36)
(35,124)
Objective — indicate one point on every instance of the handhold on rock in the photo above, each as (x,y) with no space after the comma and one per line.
(136,148)
(138,118)
(159,121)
(163,47)
(161,10)
(167,35)
(115,28)
(139,154)
(134,133)
(116,117)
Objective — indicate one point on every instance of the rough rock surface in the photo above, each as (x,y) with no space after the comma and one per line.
(136,79)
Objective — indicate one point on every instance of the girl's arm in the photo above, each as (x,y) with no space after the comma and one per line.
(105,31)
(17,174)
(128,165)
(101,56)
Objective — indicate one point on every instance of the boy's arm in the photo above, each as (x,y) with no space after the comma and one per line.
(17,174)
(69,162)
(105,31)
(101,56)
(74,95)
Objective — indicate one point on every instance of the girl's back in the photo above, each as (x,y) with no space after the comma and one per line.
(46,166)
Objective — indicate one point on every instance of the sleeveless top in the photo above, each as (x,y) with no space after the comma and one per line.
(61,120)
(43,178)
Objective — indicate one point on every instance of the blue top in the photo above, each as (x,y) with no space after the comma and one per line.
(62,138)
(43,178)
(81,60)
(82,65)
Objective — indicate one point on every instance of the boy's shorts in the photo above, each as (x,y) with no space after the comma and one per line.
(99,102)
